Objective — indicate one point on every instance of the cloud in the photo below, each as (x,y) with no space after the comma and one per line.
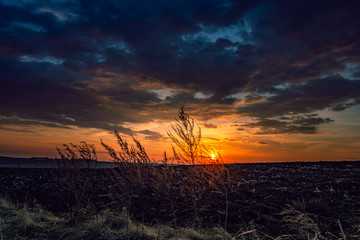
(16,121)
(333,92)
(11,129)
(294,125)
(209,125)
(293,101)
(151,135)
(90,60)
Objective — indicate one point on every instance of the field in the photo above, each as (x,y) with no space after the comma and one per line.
(250,201)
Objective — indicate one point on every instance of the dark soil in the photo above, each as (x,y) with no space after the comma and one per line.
(272,198)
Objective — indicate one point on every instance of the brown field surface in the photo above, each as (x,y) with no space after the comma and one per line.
(275,198)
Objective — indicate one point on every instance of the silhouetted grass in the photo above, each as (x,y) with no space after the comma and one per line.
(156,192)
(138,176)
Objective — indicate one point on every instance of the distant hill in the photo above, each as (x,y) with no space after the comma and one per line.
(39,162)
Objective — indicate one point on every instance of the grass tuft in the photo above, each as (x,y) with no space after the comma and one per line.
(19,221)
(27,223)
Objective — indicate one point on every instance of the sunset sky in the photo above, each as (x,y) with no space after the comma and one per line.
(265,80)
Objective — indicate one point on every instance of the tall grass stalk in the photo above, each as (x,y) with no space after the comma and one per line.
(138,176)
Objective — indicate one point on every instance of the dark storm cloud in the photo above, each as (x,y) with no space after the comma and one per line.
(295,125)
(334,92)
(299,40)
(24,122)
(29,93)
(151,135)
(84,63)
(356,74)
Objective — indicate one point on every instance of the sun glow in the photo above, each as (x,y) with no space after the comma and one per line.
(213,156)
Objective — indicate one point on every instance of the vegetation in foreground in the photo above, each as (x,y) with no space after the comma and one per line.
(177,201)
(21,222)
(292,200)
(24,223)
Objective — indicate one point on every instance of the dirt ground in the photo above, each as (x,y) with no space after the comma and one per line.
(273,198)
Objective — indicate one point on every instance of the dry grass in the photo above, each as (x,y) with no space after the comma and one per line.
(23,223)
(186,187)
(299,225)
(140,175)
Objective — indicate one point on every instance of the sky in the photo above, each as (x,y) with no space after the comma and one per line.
(264,80)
